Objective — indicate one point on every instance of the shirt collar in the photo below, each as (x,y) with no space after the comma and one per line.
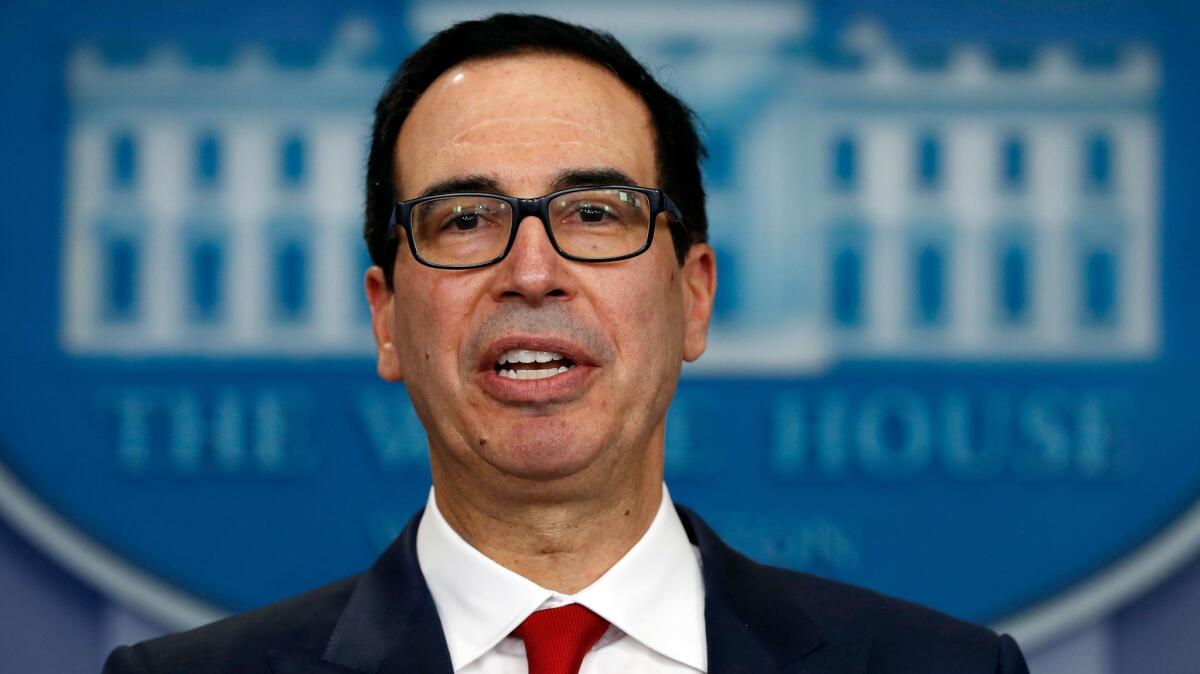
(654,594)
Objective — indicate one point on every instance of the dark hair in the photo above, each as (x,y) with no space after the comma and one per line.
(678,146)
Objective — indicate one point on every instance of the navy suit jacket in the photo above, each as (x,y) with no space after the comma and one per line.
(757,618)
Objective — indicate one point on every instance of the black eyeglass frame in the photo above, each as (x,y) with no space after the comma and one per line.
(658,201)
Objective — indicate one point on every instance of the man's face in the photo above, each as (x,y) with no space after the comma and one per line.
(526,126)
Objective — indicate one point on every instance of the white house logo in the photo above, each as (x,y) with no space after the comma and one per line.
(216,210)
(940,286)
(951,204)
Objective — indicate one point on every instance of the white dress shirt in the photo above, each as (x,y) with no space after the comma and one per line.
(653,598)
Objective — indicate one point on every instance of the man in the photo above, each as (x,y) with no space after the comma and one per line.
(535,211)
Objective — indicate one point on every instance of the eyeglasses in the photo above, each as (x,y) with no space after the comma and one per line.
(586,224)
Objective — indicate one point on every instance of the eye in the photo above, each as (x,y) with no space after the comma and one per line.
(463,222)
(469,217)
(592,213)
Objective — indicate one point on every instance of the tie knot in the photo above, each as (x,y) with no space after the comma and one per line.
(557,639)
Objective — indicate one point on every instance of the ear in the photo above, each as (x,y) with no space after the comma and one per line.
(699,276)
(380,297)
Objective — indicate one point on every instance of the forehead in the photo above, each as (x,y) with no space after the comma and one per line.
(522,120)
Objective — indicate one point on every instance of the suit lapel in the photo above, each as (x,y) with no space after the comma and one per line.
(754,623)
(284,662)
(390,624)
(840,658)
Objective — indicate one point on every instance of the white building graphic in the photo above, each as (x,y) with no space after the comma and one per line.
(867,201)
(217,210)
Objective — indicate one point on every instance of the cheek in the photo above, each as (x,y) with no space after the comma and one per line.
(647,310)
(432,315)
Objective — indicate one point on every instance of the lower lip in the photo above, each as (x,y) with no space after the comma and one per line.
(562,386)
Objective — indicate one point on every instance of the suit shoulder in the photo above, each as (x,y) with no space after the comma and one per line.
(240,643)
(836,606)
(906,636)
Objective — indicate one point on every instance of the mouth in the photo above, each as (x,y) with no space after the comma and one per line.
(527,364)
(536,370)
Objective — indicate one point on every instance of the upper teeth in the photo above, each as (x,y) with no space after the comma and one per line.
(528,356)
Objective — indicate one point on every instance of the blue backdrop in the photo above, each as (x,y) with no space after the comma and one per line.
(951,359)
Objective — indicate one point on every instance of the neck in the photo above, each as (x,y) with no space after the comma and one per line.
(556,536)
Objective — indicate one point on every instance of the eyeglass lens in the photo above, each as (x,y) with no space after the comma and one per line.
(588,224)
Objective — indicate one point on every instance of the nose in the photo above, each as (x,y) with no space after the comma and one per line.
(533,270)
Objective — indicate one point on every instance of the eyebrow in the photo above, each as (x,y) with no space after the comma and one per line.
(591,177)
(471,183)
(565,180)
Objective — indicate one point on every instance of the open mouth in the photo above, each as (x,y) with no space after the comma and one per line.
(529,364)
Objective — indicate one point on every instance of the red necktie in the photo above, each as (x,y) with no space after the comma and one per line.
(556,639)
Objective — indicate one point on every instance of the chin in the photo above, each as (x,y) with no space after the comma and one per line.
(544,452)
